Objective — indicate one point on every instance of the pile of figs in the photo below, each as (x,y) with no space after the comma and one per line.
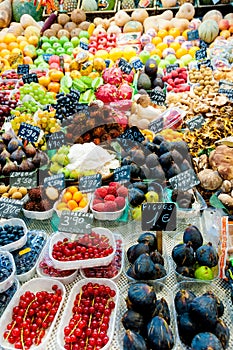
(146,262)
(199,322)
(147,320)
(193,258)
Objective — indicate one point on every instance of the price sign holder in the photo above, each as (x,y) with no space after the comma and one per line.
(30,78)
(159,217)
(57,181)
(157,125)
(90,183)
(158,96)
(185,180)
(203,44)
(29,132)
(83,45)
(26,179)
(200,54)
(193,35)
(171,67)
(122,174)
(75,222)
(125,66)
(55,140)
(10,208)
(196,122)
(23,69)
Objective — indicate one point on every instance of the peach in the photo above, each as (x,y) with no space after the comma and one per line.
(223,24)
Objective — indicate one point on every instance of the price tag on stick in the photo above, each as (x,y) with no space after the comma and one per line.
(171,67)
(130,138)
(158,96)
(57,181)
(90,183)
(23,69)
(193,35)
(26,179)
(125,66)
(75,222)
(158,216)
(185,180)
(200,54)
(10,208)
(196,122)
(122,174)
(157,125)
(29,132)
(55,140)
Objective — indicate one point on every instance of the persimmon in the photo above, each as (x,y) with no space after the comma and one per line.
(44,80)
(56,75)
(54,87)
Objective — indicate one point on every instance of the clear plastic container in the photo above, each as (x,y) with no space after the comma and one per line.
(67,314)
(83,210)
(78,264)
(7,295)
(172,118)
(161,292)
(20,242)
(34,286)
(7,283)
(38,215)
(109,216)
(199,288)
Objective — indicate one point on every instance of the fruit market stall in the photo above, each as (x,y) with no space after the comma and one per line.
(116,175)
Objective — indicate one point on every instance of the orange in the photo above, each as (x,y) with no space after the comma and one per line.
(44,80)
(77,196)
(83,202)
(225,33)
(156,40)
(27,60)
(175,46)
(4,53)
(3,46)
(162,33)
(72,189)
(185,35)
(174,32)
(22,44)
(54,87)
(56,75)
(156,52)
(162,46)
(72,204)
(13,45)
(20,38)
(33,40)
(181,52)
(67,196)
(9,38)
(193,50)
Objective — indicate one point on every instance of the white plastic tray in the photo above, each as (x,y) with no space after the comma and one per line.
(111,216)
(83,210)
(20,242)
(38,215)
(67,314)
(78,264)
(34,286)
(7,283)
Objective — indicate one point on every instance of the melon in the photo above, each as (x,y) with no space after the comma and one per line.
(21,7)
(208,30)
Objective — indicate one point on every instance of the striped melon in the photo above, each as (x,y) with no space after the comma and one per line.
(20,7)
(208,30)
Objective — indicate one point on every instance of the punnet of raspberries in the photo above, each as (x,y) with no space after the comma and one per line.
(110,198)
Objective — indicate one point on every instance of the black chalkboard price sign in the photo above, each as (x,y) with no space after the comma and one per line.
(10,208)
(157,125)
(206,63)
(133,134)
(30,78)
(193,35)
(203,44)
(83,45)
(158,96)
(171,67)
(57,181)
(55,140)
(158,216)
(137,64)
(184,181)
(26,179)
(200,54)
(125,66)
(23,69)
(29,132)
(196,122)
(75,222)
(122,174)
(90,183)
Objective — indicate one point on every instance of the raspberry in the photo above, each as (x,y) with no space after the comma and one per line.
(97,201)
(101,192)
(109,197)
(114,184)
(99,207)
(122,191)
(120,201)
(112,190)
(110,206)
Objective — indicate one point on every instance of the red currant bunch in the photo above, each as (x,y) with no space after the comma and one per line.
(31,317)
(91,313)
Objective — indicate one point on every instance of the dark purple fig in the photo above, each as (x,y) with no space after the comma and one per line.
(12,145)
(3,157)
(204,309)
(17,155)
(141,297)
(142,186)
(222,332)
(131,272)
(159,334)
(220,306)
(6,137)
(157,258)
(148,238)
(133,341)
(144,268)
(206,341)
(187,327)
(162,310)
(2,146)
(133,320)
(187,271)
(182,300)
(207,255)
(40,159)
(183,254)
(135,196)
(29,150)
(36,159)
(192,234)
(136,250)
(9,167)
(160,271)
(26,165)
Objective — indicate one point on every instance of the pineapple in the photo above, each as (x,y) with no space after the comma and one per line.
(127,4)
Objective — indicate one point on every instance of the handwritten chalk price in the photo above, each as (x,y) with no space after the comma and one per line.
(10,208)
(184,181)
(23,179)
(158,216)
(157,125)
(122,174)
(196,122)
(75,222)
(29,132)
(55,140)
(90,183)
(57,181)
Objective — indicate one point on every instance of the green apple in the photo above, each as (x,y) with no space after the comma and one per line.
(144,56)
(40,52)
(69,51)
(50,51)
(43,65)
(46,46)
(56,45)
(186,59)
(44,39)
(63,40)
(74,174)
(152,197)
(60,51)
(162,64)
(171,59)
(84,34)
(53,39)
(67,45)
(204,273)
(38,60)
(75,41)
(137,213)
(156,58)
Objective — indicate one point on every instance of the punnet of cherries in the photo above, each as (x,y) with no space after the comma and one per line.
(91,313)
(32,317)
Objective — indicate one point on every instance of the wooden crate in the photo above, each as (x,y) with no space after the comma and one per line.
(100,13)
(149,9)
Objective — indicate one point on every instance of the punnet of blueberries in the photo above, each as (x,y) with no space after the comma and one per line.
(6,268)
(6,296)
(10,234)
(26,257)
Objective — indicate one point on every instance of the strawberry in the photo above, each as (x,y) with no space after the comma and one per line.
(174,74)
(109,197)
(120,201)
(122,191)
(112,190)
(101,192)
(97,201)
(110,206)
(99,207)
(114,184)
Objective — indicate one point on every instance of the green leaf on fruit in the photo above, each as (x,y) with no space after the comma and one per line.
(87,81)
(97,82)
(88,96)
(66,81)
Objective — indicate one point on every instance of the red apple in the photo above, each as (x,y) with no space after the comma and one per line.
(102,41)
(223,24)
(101,35)
(54,59)
(101,47)
(111,44)
(93,38)
(111,36)
(92,50)
(54,65)
(92,44)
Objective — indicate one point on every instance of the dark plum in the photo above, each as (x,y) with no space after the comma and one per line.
(158,139)
(162,310)
(148,238)
(187,327)
(206,341)
(182,300)
(204,309)
(207,255)
(141,297)
(166,160)
(160,271)
(160,335)
(133,320)
(192,234)
(133,341)
(183,254)
(142,186)
(131,272)
(165,146)
(136,250)
(222,332)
